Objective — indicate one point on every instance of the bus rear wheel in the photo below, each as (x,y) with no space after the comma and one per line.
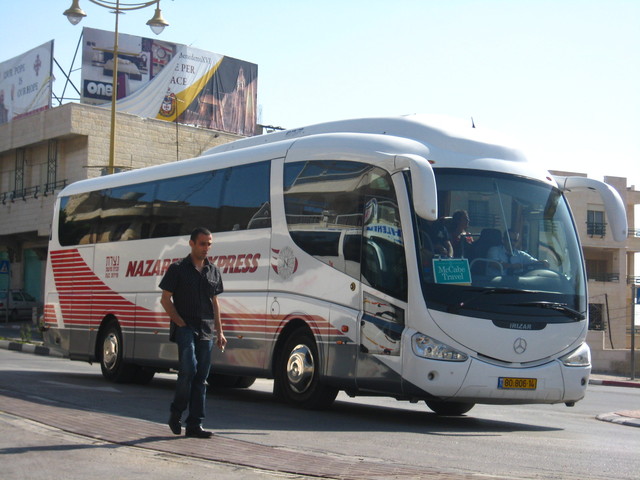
(110,351)
(449,409)
(297,375)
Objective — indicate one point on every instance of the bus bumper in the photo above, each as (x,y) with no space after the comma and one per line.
(476,381)
(552,382)
(56,339)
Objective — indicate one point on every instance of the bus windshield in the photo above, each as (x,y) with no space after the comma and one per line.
(502,246)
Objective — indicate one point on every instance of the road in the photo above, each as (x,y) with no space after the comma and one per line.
(539,441)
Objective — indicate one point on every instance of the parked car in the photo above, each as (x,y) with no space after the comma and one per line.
(20,305)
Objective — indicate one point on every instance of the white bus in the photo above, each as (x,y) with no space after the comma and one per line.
(327,238)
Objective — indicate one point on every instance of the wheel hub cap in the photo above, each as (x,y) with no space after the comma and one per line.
(300,368)
(110,351)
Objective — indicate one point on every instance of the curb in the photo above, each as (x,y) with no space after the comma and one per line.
(29,348)
(620,418)
(614,383)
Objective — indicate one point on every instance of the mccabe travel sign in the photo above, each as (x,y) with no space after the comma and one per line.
(452,271)
(25,83)
(170,81)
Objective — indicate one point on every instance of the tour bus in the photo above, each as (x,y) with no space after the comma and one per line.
(333,244)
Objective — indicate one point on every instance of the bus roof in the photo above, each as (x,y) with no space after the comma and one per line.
(438,133)
(452,142)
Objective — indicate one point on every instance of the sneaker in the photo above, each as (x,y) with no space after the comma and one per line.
(197,432)
(174,423)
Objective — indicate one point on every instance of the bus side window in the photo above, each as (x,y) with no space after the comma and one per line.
(323,203)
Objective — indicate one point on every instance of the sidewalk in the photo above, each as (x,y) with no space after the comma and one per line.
(157,437)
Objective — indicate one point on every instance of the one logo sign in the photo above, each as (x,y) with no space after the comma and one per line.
(520,345)
(4,267)
(452,271)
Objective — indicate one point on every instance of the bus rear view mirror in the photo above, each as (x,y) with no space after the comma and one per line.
(425,198)
(613,204)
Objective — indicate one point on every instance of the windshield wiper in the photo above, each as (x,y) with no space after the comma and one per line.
(465,303)
(560,307)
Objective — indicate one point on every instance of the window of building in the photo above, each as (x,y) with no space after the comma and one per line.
(596,316)
(52,166)
(595,223)
(479,211)
(19,172)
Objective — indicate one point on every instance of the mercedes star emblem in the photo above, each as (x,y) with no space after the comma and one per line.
(520,345)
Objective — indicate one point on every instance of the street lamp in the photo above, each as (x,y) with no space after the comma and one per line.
(75,14)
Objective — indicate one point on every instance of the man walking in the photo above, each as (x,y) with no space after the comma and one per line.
(189,296)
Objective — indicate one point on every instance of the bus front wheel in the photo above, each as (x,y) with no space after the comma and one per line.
(297,376)
(449,409)
(230,381)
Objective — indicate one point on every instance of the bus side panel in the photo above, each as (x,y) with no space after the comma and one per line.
(244,326)
(126,316)
(152,345)
(243,260)
(74,281)
(342,350)
(128,293)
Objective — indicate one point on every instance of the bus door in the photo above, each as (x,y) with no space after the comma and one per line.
(384,293)
(379,361)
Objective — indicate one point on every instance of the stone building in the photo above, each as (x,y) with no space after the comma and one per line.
(42,153)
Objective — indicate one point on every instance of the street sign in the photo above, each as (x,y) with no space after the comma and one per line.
(4,267)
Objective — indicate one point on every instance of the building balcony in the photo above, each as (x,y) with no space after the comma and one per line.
(633,240)
(31,192)
(604,277)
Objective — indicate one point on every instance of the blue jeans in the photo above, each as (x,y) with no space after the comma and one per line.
(194,356)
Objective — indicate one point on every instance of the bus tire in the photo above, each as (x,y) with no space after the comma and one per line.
(219,380)
(143,375)
(245,382)
(449,409)
(297,375)
(110,352)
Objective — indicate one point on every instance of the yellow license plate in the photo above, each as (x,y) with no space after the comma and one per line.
(510,383)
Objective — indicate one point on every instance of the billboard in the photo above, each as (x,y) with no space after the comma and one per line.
(25,83)
(170,81)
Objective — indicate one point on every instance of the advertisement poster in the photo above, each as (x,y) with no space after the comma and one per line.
(170,82)
(25,83)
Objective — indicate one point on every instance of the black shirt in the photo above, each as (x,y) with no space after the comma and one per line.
(192,292)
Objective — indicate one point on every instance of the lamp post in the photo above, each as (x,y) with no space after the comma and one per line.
(75,14)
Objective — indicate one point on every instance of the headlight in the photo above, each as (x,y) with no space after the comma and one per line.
(428,347)
(581,357)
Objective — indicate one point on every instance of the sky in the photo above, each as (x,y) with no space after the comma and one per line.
(561,77)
